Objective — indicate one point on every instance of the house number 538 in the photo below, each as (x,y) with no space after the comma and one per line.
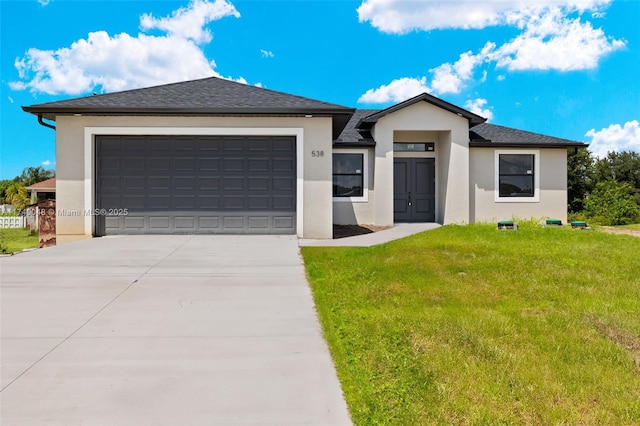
(317,153)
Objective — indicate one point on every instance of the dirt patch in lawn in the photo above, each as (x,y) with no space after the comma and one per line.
(626,231)
(343,231)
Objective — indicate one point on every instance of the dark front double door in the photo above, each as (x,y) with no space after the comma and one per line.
(414,190)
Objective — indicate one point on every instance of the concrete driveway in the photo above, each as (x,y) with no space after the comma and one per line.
(164,330)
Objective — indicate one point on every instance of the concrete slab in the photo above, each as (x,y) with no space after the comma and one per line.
(399,230)
(164,330)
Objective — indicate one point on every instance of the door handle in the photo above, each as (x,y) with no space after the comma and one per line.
(409,198)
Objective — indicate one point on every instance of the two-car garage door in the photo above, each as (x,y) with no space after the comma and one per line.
(195,185)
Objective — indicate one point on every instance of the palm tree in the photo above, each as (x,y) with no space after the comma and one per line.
(31,175)
(16,194)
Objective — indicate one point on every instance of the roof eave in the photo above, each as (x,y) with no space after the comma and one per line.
(489,144)
(368,143)
(195,111)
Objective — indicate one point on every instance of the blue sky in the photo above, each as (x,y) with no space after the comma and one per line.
(566,68)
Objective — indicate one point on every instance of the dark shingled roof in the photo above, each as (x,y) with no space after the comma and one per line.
(491,135)
(208,96)
(482,135)
(205,95)
(351,135)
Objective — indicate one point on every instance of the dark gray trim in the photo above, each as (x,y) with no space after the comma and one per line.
(361,144)
(490,144)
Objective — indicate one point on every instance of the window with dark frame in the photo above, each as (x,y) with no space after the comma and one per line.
(348,177)
(516,175)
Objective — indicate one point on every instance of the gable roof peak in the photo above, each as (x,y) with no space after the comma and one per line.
(474,119)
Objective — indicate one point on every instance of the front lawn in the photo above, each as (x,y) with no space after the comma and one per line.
(470,325)
(16,239)
(634,226)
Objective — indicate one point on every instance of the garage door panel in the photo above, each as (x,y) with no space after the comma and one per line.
(258,165)
(230,165)
(208,164)
(159,202)
(160,223)
(210,202)
(283,203)
(184,222)
(258,202)
(209,223)
(283,222)
(132,202)
(207,184)
(233,183)
(134,183)
(184,183)
(233,222)
(160,165)
(283,183)
(162,183)
(196,184)
(233,202)
(283,165)
(182,202)
(134,223)
(135,164)
(258,183)
(184,164)
(258,222)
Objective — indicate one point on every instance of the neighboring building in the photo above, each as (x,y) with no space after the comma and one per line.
(216,156)
(45,190)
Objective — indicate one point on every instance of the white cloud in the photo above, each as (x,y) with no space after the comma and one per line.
(189,22)
(401,16)
(123,61)
(548,40)
(10,99)
(615,138)
(476,106)
(266,53)
(450,78)
(396,91)
(44,2)
(46,163)
(552,42)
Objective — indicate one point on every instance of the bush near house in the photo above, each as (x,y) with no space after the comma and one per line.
(470,325)
(604,191)
(612,203)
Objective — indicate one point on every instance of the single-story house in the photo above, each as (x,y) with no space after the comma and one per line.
(216,156)
(44,190)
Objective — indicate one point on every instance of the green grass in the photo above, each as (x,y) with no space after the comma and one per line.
(470,325)
(634,226)
(16,239)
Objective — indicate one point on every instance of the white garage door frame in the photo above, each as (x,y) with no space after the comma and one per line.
(89,156)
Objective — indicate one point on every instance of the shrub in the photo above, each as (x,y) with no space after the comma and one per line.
(612,203)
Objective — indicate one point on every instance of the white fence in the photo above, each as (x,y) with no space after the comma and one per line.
(11,221)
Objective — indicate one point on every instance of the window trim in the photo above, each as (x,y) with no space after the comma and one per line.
(365,176)
(536,176)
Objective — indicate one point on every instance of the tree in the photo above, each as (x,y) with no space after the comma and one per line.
(612,203)
(31,175)
(4,184)
(622,167)
(579,178)
(16,194)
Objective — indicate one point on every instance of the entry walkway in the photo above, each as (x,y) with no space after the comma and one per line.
(399,230)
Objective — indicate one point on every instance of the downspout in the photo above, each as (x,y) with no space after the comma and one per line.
(45,124)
